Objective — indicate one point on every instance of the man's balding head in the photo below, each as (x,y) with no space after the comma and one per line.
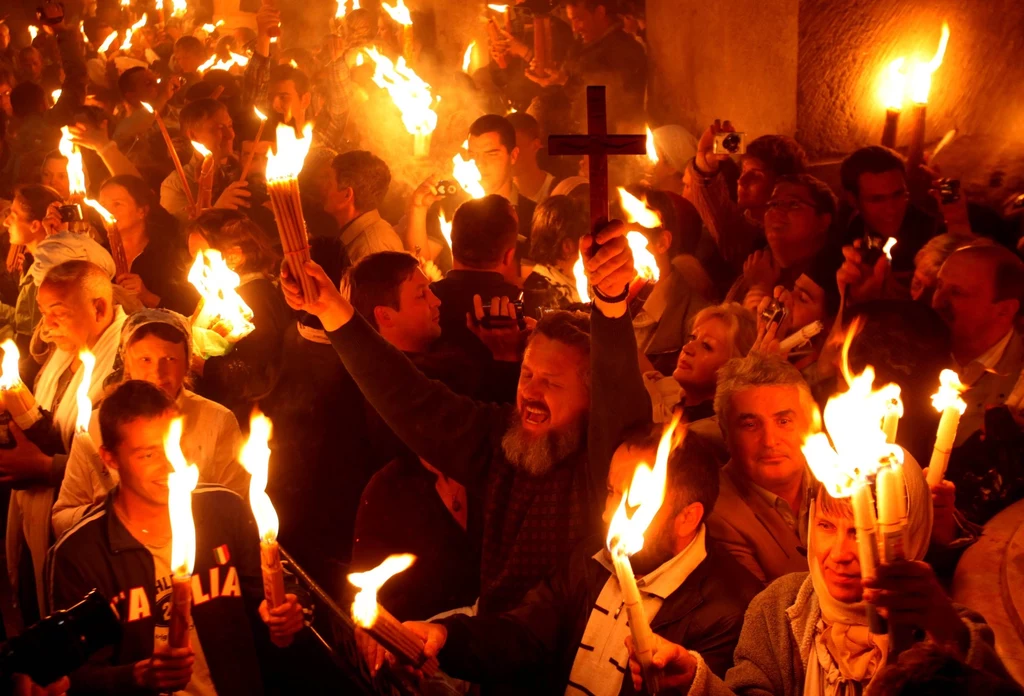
(76,301)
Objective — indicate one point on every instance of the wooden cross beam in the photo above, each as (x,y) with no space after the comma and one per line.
(598,145)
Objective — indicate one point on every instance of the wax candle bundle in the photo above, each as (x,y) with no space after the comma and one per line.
(283,167)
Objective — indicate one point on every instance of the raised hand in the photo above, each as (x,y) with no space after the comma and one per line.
(498,330)
(333,310)
(707,161)
(677,667)
(609,264)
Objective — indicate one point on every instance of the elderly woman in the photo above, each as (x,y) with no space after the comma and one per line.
(718,334)
(155,346)
(558,224)
(807,633)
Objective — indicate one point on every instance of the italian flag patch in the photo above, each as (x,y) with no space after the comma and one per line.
(222,554)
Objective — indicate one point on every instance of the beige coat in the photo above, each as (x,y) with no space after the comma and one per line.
(752,531)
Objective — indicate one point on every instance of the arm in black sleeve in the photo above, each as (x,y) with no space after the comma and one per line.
(454,433)
(618,399)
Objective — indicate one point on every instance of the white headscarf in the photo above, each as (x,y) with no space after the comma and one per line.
(68,246)
(845,653)
(676,144)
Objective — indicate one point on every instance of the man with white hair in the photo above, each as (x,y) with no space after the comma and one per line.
(77,306)
(765,410)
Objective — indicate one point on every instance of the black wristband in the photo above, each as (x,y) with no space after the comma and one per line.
(621,297)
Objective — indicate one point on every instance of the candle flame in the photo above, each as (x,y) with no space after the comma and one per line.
(293,63)
(209,28)
(643,260)
(76,174)
(642,500)
(105,46)
(55,95)
(33,31)
(342,9)
(855,445)
(180,8)
(255,457)
(219,23)
(180,483)
(652,151)
(498,8)
(894,84)
(131,30)
(82,395)
(948,396)
(287,161)
(636,210)
(408,91)
(259,114)
(364,607)
(399,13)
(920,79)
(887,249)
(223,309)
(103,212)
(467,174)
(580,274)
(201,149)
(10,375)
(359,59)
(467,57)
(147,107)
(446,228)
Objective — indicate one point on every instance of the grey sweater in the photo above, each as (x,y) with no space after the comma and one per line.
(777,636)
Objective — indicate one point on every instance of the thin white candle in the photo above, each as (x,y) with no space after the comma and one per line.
(948,401)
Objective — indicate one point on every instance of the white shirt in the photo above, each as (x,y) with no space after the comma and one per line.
(602,659)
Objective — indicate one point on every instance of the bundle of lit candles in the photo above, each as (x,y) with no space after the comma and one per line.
(113,237)
(861,425)
(283,167)
(180,483)
(205,177)
(17,399)
(221,310)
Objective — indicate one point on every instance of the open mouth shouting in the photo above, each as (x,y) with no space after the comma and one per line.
(534,413)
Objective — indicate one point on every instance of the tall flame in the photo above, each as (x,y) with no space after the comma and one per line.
(643,260)
(223,310)
(364,607)
(10,376)
(919,81)
(855,447)
(894,84)
(33,31)
(642,500)
(467,57)
(446,228)
(948,396)
(255,457)
(399,13)
(82,395)
(291,153)
(580,274)
(180,483)
(103,212)
(408,91)
(180,8)
(131,30)
(652,150)
(467,174)
(887,249)
(637,211)
(105,46)
(498,8)
(76,175)
(201,149)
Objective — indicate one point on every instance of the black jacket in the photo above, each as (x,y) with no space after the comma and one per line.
(539,639)
(101,553)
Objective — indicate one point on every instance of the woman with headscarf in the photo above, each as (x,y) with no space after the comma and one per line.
(674,148)
(558,224)
(807,633)
(155,346)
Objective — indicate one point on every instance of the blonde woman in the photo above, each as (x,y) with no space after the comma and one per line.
(719,333)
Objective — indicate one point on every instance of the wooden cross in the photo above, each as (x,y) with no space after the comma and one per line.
(598,145)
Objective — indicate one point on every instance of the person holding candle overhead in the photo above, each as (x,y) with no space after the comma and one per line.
(155,347)
(806,633)
(123,549)
(569,629)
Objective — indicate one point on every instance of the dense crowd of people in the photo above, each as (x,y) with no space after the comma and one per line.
(479,373)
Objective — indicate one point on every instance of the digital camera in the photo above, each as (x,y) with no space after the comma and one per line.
(730,143)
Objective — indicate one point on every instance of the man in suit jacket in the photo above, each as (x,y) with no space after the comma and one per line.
(765,410)
(570,630)
(978,293)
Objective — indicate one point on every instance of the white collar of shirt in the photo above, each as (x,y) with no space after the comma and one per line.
(601,659)
(986,362)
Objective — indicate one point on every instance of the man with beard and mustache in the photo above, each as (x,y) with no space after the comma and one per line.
(542,491)
(570,627)
(766,411)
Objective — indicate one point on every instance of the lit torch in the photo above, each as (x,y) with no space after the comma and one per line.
(410,94)
(403,18)
(580,275)
(467,57)
(855,449)
(205,177)
(255,457)
(639,505)
(105,46)
(113,236)
(55,95)
(17,399)
(948,402)
(894,86)
(180,483)
(652,150)
(446,228)
(84,404)
(131,30)
(467,174)
(76,174)
(494,33)
(259,134)
(638,213)
(379,623)
(174,155)
(283,169)
(919,82)
(221,309)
